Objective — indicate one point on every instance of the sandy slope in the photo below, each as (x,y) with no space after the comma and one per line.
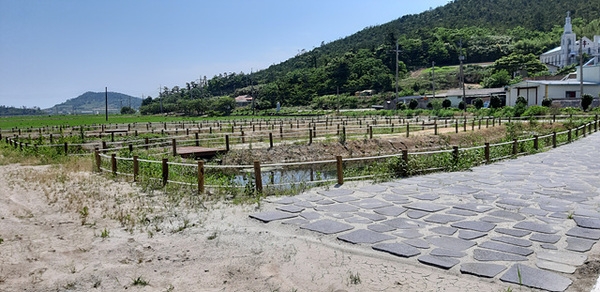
(176,244)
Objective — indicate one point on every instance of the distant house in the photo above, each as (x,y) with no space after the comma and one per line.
(470,95)
(393,104)
(365,93)
(566,91)
(243,100)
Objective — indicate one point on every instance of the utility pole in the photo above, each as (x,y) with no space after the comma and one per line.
(397,51)
(433,77)
(461,58)
(106,102)
(160,98)
(580,67)
(252,94)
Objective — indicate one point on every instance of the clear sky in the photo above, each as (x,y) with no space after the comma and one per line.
(53,50)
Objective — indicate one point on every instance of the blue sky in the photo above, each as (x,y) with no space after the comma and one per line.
(54,50)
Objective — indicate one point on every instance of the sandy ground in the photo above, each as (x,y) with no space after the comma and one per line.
(154,241)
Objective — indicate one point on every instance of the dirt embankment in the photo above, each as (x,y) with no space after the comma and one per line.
(387,144)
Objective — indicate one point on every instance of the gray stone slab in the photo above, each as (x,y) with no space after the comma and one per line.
(470,234)
(587,213)
(537,227)
(440,262)
(536,278)
(358,220)
(345,199)
(474,225)
(304,204)
(426,197)
(493,219)
(286,200)
(408,233)
(397,249)
(371,203)
(474,207)
(559,215)
(310,215)
(548,246)
(461,212)
(337,208)
(442,252)
(509,248)
(290,208)
(585,222)
(554,208)
(579,244)
(486,255)
(557,267)
(418,243)
(563,257)
(324,202)
(416,214)
(380,228)
(512,232)
(269,216)
(451,243)
(336,192)
(310,197)
(534,211)
(295,221)
(373,189)
(371,216)
(425,206)
(340,215)
(545,238)
(445,230)
(482,269)
(392,211)
(443,218)
(403,223)
(327,226)
(364,236)
(395,198)
(513,240)
(513,202)
(507,214)
(586,233)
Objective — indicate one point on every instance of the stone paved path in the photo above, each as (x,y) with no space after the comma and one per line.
(524,221)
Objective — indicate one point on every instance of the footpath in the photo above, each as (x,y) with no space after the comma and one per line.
(528,221)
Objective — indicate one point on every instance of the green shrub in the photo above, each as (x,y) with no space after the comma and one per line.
(547,102)
(536,110)
(586,101)
(446,103)
(413,104)
(478,103)
(461,105)
(495,102)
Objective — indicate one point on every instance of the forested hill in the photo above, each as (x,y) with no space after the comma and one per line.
(481,30)
(91,102)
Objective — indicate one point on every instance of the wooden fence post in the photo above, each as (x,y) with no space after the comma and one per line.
(435,130)
(569,137)
(270,140)
(487,153)
(455,154)
(227,143)
(370,132)
(257,176)
(130,147)
(113,163)
(200,177)
(310,136)
(554,139)
(136,168)
(340,170)
(583,130)
(456,126)
(98,161)
(536,144)
(196,139)
(407,129)
(465,125)
(515,148)
(174,146)
(405,157)
(165,171)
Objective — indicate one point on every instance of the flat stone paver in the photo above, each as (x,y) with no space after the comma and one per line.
(535,215)
(482,269)
(536,278)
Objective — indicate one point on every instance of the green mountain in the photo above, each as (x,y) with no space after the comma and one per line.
(479,30)
(95,102)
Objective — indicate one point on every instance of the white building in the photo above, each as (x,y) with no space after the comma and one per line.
(569,49)
(566,91)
